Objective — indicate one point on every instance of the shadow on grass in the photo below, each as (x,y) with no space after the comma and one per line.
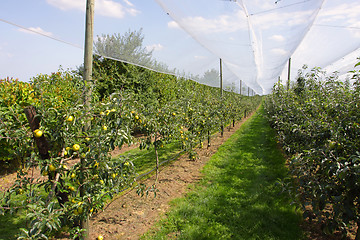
(10,225)
(145,160)
(239,197)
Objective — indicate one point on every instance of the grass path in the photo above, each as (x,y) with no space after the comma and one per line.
(238,197)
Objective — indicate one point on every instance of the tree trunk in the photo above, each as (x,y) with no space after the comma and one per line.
(34,122)
(208,139)
(157,163)
(43,147)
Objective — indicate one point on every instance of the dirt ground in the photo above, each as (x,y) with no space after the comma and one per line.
(130,216)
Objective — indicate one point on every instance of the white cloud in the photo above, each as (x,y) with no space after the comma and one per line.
(238,21)
(286,19)
(154,47)
(129,3)
(173,24)
(344,12)
(107,8)
(132,11)
(221,24)
(34,30)
(110,9)
(279,51)
(68,4)
(277,38)
(342,15)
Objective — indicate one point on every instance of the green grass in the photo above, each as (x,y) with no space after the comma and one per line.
(10,226)
(11,223)
(145,160)
(239,197)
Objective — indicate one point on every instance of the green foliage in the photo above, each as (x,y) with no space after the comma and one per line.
(68,194)
(150,92)
(239,197)
(57,92)
(44,219)
(14,96)
(10,225)
(317,121)
(61,89)
(127,100)
(146,86)
(211,77)
(14,92)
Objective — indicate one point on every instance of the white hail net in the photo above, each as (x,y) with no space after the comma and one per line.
(254,38)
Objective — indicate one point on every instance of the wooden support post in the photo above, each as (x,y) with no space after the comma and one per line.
(88,51)
(88,59)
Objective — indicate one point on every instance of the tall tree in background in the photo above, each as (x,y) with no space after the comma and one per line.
(211,78)
(126,47)
(112,71)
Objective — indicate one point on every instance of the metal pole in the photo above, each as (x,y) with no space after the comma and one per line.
(248,91)
(221,94)
(221,80)
(278,84)
(288,81)
(240,86)
(87,77)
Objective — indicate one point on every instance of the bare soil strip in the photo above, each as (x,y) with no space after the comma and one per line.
(130,216)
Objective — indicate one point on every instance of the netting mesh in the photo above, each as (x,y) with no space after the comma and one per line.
(333,41)
(277,33)
(254,38)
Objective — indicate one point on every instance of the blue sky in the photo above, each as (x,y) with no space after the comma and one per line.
(254,38)
(24,54)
